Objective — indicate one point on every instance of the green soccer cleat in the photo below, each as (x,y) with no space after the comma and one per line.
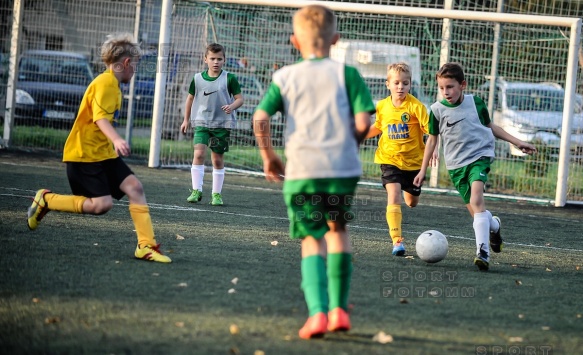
(217,199)
(151,253)
(195,196)
(496,242)
(37,209)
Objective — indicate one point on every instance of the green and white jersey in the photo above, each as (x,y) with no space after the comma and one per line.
(210,94)
(463,129)
(319,98)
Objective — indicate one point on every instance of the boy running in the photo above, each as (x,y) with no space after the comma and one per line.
(216,95)
(402,120)
(328,107)
(95,171)
(468,148)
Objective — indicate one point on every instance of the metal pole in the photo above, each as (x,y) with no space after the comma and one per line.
(12,71)
(570,86)
(160,88)
(130,118)
(495,58)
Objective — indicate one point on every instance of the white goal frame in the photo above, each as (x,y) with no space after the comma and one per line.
(574,24)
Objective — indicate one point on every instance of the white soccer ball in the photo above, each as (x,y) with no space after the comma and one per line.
(431,246)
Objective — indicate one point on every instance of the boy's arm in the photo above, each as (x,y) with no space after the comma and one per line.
(373,132)
(500,133)
(239,100)
(272,165)
(187,111)
(120,145)
(427,156)
(362,126)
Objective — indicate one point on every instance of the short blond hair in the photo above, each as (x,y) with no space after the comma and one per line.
(119,46)
(315,25)
(400,67)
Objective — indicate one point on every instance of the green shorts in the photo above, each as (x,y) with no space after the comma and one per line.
(463,177)
(311,203)
(217,139)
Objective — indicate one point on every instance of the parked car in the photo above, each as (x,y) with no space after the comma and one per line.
(533,112)
(49,88)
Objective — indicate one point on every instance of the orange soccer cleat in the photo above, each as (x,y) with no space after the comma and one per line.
(315,326)
(338,320)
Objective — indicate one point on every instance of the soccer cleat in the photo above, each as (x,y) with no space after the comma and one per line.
(151,253)
(217,199)
(482,260)
(37,209)
(315,326)
(399,248)
(496,242)
(338,320)
(195,196)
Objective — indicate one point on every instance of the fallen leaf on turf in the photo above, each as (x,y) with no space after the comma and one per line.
(182,284)
(403,300)
(234,329)
(35,300)
(234,351)
(259,352)
(579,316)
(515,339)
(409,257)
(231,290)
(514,265)
(383,338)
(179,237)
(179,324)
(50,320)
(117,261)
(287,337)
(548,244)
(544,327)
(96,244)
(155,274)
(433,293)
(274,243)
(521,316)
(235,280)
(577,267)
(518,282)
(549,269)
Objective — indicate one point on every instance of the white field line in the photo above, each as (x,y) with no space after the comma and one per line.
(352,225)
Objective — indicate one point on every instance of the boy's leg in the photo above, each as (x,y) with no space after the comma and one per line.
(339,267)
(314,285)
(200,142)
(147,248)
(218,178)
(481,226)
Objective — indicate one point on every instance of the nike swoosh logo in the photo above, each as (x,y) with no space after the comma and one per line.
(208,93)
(454,123)
(482,174)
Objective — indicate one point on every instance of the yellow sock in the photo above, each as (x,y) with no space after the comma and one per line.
(143,224)
(394,219)
(65,203)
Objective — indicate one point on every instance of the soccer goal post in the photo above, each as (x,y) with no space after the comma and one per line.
(540,50)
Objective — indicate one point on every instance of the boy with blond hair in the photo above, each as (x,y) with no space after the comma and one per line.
(468,149)
(213,97)
(402,120)
(96,172)
(328,108)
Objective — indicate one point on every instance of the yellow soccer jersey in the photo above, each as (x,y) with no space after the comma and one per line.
(401,143)
(86,142)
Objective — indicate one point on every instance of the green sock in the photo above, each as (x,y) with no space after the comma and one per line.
(314,284)
(339,275)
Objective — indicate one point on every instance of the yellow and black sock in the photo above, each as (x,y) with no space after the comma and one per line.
(143,224)
(394,219)
(64,203)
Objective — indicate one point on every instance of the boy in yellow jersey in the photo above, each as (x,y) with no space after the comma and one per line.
(328,108)
(95,171)
(402,120)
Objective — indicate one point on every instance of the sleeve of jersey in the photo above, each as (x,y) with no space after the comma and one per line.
(378,122)
(233,84)
(482,111)
(192,88)
(422,117)
(105,102)
(272,102)
(358,93)
(433,124)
